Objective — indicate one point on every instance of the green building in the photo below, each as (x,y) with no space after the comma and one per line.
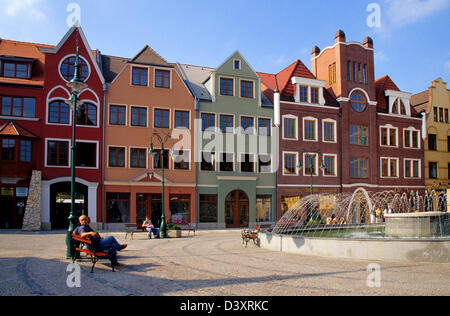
(235,160)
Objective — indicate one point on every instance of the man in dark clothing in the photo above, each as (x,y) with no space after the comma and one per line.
(109,244)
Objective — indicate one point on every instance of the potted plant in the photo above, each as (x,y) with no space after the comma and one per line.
(173,231)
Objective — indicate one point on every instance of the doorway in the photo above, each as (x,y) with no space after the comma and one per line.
(60,203)
(237,209)
(149,205)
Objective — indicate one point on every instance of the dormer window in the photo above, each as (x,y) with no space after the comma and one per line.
(399,102)
(309,90)
(237,64)
(399,107)
(14,67)
(303,93)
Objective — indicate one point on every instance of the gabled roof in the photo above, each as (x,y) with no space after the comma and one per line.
(195,77)
(421,101)
(148,56)
(112,66)
(381,85)
(92,54)
(283,83)
(14,129)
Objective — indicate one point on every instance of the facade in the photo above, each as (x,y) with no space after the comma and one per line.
(22,109)
(147,95)
(308,135)
(56,133)
(234,138)
(435,103)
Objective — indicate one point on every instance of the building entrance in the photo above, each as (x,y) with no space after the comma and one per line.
(237,210)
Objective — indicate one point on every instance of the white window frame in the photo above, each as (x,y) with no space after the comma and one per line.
(255,164)
(97,153)
(412,169)
(412,129)
(125,156)
(316,129)
(389,127)
(335,165)
(220,160)
(389,168)
(334,131)
(292,117)
(129,160)
(296,163)
(69,160)
(316,163)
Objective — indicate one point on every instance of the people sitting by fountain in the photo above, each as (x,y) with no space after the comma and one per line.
(332,220)
(372,217)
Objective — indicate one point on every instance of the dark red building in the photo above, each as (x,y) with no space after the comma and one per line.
(56,132)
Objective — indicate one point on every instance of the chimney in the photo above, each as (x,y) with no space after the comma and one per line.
(368,42)
(339,37)
(315,52)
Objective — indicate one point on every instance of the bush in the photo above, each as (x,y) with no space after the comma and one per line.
(171,226)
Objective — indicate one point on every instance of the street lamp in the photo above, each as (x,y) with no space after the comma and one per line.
(163,140)
(76,86)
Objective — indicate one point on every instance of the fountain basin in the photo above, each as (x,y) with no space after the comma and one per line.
(421,225)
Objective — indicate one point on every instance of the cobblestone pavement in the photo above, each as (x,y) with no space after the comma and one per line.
(213,263)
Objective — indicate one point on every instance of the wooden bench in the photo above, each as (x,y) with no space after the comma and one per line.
(248,235)
(184,225)
(85,246)
(133,229)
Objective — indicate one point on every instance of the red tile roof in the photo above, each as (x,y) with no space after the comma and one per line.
(14,129)
(381,85)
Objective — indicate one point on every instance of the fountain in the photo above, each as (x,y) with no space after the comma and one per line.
(385,225)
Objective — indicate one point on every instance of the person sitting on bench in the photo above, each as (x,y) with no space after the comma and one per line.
(109,244)
(150,228)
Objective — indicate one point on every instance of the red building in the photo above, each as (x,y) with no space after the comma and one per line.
(56,132)
(22,111)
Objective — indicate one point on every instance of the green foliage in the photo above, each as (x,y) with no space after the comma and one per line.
(171,226)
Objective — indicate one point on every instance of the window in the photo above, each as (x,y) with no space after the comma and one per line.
(158,158)
(247,163)
(139,76)
(86,155)
(247,125)
(359,73)
(411,139)
(58,153)
(8,149)
(359,168)
(315,95)
(17,106)
(138,158)
(441,115)
(329,131)
(358,101)
(309,131)
(359,135)
(354,71)
(180,207)
(16,70)
(433,167)
(289,202)
(432,142)
(25,151)
(265,163)
(58,112)
(448,143)
(116,157)
(332,73)
(181,119)
(208,208)
(227,123)
(365,74)
(263,208)
(208,161)
(435,113)
(68,69)
(290,164)
(289,127)
(402,107)
(237,64)
(227,162)
(247,89)
(138,116)
(117,115)
(118,207)
(389,167)
(330,165)
(303,91)
(162,79)
(412,168)
(208,122)
(264,127)
(181,160)
(161,119)
(310,164)
(349,72)
(226,86)
(388,136)
(87,114)
(446,115)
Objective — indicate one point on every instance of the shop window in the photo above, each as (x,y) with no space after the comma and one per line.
(208,208)
(180,207)
(118,207)
(263,208)
(289,202)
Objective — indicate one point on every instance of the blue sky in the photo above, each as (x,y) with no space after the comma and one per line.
(412,45)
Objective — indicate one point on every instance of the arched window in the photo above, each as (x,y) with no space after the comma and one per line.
(58,112)
(68,68)
(87,114)
(402,107)
(358,101)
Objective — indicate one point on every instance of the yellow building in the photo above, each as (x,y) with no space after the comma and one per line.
(435,102)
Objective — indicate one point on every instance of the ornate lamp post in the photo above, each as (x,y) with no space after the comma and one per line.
(163,140)
(76,86)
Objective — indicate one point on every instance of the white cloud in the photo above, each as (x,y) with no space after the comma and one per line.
(31,8)
(403,12)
